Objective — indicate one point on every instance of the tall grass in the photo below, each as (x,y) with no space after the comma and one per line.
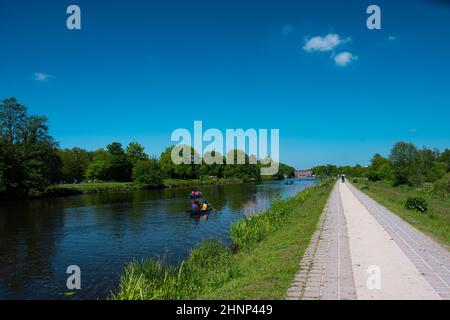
(255,228)
(209,265)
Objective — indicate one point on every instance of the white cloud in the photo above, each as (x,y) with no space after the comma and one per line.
(40,76)
(344,58)
(412,130)
(287,29)
(327,43)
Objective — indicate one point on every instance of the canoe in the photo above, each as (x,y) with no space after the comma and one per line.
(200,211)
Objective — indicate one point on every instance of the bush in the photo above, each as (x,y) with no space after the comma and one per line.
(147,172)
(415,203)
(442,186)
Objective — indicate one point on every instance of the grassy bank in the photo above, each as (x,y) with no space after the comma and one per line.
(435,223)
(261,263)
(99,187)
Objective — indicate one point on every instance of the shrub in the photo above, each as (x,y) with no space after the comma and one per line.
(416,203)
(147,172)
(442,186)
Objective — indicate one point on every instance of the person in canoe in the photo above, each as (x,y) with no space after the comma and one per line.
(199,205)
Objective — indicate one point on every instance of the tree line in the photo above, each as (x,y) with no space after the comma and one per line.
(31,160)
(405,165)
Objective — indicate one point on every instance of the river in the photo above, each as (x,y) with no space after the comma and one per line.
(101,233)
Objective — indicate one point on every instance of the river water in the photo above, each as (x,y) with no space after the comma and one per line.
(101,233)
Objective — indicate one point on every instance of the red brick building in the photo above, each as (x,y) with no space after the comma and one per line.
(303,173)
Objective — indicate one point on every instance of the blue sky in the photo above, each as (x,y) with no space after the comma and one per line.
(137,70)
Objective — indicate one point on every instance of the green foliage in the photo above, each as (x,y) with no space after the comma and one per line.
(135,152)
(207,265)
(99,166)
(119,166)
(380,168)
(246,232)
(442,186)
(416,203)
(248,171)
(148,172)
(325,171)
(75,162)
(437,171)
(445,157)
(211,266)
(110,165)
(406,164)
(28,159)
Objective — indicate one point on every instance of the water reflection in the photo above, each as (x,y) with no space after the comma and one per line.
(103,232)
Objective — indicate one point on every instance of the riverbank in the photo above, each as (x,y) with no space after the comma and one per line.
(435,222)
(260,264)
(100,187)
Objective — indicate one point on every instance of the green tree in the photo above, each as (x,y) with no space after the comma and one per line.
(406,164)
(135,152)
(246,171)
(98,168)
(13,120)
(148,172)
(380,168)
(209,168)
(166,164)
(119,168)
(29,159)
(325,171)
(445,157)
(437,171)
(75,164)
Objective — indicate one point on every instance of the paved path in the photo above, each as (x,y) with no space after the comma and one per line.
(357,239)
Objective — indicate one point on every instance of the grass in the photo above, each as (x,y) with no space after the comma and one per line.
(435,222)
(94,187)
(99,187)
(260,264)
(178,183)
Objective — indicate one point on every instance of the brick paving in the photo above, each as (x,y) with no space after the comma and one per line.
(430,258)
(326,269)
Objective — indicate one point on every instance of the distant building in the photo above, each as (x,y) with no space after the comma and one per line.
(299,174)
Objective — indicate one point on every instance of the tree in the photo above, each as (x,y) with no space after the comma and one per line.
(13,120)
(75,163)
(119,168)
(99,166)
(209,168)
(445,157)
(29,162)
(166,164)
(148,172)
(406,164)
(135,152)
(380,168)
(437,171)
(325,171)
(246,171)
